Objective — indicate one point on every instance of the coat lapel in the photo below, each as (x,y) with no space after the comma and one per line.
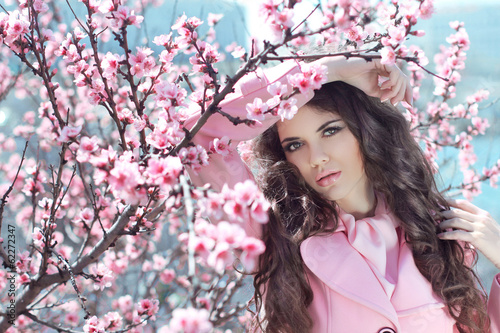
(343,269)
(334,261)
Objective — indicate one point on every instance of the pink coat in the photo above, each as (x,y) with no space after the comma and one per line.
(348,297)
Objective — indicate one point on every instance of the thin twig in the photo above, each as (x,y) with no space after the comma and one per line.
(76,18)
(186,78)
(188,203)
(73,281)
(490,104)
(304,20)
(11,187)
(47,293)
(45,323)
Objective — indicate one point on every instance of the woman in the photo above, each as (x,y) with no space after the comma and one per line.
(352,244)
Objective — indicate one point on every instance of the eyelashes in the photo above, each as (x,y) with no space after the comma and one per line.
(332,130)
(327,132)
(292,146)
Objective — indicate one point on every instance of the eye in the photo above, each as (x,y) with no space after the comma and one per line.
(331,130)
(292,146)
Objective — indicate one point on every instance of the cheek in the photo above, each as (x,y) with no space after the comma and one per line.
(299,160)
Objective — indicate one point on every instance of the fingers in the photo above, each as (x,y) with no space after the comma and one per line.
(458,213)
(466,205)
(457,223)
(397,88)
(394,89)
(473,225)
(466,225)
(458,235)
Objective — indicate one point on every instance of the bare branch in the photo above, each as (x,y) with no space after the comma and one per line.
(45,323)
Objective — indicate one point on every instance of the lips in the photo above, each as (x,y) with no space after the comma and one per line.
(327,178)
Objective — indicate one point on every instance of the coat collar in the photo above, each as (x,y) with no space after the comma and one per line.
(344,270)
(337,264)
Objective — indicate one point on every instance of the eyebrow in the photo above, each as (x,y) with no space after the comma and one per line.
(318,130)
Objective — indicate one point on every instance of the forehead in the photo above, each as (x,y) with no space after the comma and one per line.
(307,119)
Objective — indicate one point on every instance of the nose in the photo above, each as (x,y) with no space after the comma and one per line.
(318,156)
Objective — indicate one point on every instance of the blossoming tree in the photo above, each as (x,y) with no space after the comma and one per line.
(101,227)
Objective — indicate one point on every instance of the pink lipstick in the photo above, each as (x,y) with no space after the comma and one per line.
(327,178)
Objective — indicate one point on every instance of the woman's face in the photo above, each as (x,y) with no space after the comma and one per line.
(328,157)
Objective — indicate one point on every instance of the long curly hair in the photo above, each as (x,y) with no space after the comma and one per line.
(397,168)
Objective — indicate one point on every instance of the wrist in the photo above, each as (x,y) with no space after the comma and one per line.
(332,64)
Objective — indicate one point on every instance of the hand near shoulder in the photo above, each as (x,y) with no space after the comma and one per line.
(365,75)
(473,225)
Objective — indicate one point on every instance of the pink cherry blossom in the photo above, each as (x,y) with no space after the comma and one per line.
(86,148)
(142,63)
(311,78)
(230,233)
(269,7)
(258,211)
(94,325)
(38,238)
(388,56)
(124,180)
(479,96)
(190,320)
(221,257)
(212,206)
(23,279)
(287,108)
(252,249)
(236,50)
(23,264)
(164,171)
(167,276)
(40,6)
(106,6)
(122,17)
(236,210)
(195,157)
(112,321)
(277,89)
(221,146)
(397,35)
(17,25)
(284,17)
(426,9)
(460,38)
(103,276)
(110,64)
(256,110)
(69,132)
(148,307)
(87,215)
(480,124)
(169,94)
(456,25)
(214,18)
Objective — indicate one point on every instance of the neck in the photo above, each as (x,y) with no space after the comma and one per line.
(362,206)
